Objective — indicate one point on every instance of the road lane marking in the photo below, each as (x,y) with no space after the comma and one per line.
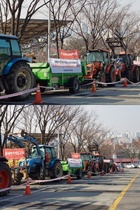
(117,201)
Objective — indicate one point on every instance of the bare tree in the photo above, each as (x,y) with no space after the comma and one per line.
(28,120)
(62,12)
(94,16)
(50,119)
(84,130)
(124,27)
(10,13)
(65,131)
(9,118)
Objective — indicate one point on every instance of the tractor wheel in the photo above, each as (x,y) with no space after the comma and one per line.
(42,174)
(5,178)
(136,74)
(79,174)
(74,85)
(56,171)
(20,78)
(112,76)
(102,78)
(18,178)
(130,75)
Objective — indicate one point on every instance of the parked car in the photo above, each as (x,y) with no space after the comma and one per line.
(138,166)
(130,165)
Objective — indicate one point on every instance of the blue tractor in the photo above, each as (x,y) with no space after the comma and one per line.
(15,73)
(42,161)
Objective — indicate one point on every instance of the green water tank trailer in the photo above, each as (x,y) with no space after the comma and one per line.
(60,73)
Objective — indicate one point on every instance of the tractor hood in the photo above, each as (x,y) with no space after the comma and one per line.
(30,161)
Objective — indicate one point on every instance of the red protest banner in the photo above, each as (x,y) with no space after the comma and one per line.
(68,54)
(15,154)
(75,155)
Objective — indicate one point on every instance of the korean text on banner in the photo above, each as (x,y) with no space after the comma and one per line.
(65,66)
(75,163)
(15,154)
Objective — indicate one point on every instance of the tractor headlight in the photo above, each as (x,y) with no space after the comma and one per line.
(22,163)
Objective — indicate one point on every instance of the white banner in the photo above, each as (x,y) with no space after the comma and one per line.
(65,66)
(75,163)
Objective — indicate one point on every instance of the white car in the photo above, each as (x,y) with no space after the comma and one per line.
(130,165)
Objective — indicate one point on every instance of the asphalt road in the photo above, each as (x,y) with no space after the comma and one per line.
(111,191)
(118,95)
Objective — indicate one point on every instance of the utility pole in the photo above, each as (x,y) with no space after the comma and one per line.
(49,30)
(58,155)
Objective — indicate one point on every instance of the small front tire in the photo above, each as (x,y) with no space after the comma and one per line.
(74,85)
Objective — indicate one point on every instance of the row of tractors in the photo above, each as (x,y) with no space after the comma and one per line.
(104,68)
(42,163)
(18,74)
(110,65)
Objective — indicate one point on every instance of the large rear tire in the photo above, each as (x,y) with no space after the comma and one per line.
(5,178)
(56,171)
(18,178)
(130,75)
(102,78)
(136,74)
(112,76)
(20,78)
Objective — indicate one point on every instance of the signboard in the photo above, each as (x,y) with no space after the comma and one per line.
(75,163)
(14,156)
(68,54)
(65,66)
(16,153)
(75,155)
(136,62)
(106,160)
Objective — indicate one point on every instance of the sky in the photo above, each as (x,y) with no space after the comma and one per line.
(43,14)
(119,118)
(135,4)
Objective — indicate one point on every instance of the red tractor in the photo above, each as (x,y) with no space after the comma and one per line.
(126,68)
(99,66)
(124,62)
(5,176)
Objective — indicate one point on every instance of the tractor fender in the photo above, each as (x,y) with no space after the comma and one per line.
(108,68)
(53,162)
(134,67)
(11,63)
(3,159)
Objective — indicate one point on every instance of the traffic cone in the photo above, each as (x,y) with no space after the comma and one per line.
(89,175)
(93,89)
(125,83)
(38,99)
(27,190)
(69,180)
